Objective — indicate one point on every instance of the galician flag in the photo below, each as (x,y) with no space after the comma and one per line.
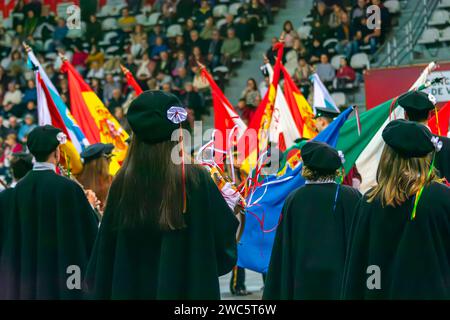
(322,97)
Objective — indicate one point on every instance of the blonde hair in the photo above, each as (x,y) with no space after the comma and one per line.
(95,176)
(400,178)
(314,175)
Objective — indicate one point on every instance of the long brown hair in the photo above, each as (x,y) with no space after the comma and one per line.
(148,187)
(95,176)
(400,178)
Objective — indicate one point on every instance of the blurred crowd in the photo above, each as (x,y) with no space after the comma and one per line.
(159,41)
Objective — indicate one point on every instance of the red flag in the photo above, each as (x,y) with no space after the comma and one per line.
(131,80)
(225,118)
(443,117)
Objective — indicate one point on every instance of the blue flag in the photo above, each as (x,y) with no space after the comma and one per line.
(266,203)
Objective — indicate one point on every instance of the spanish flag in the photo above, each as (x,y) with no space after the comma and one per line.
(93,117)
(262,119)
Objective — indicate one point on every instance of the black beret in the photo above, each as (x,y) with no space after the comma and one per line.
(408,138)
(95,151)
(43,140)
(415,100)
(320,156)
(325,112)
(147,116)
(109,147)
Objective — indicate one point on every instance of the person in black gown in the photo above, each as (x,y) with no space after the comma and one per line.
(400,237)
(148,246)
(47,228)
(418,106)
(308,255)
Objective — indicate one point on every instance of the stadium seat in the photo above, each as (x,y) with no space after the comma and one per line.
(109,24)
(112,49)
(174,30)
(393,6)
(439,18)
(444,4)
(234,8)
(429,36)
(220,23)
(304,32)
(107,38)
(330,45)
(220,11)
(360,61)
(445,35)
(339,99)
(307,20)
(154,17)
(221,69)
(336,61)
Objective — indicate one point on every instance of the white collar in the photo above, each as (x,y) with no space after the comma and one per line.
(320,181)
(41,166)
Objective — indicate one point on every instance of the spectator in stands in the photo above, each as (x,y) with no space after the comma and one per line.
(164,63)
(250,93)
(144,71)
(243,30)
(109,86)
(325,71)
(214,49)
(301,76)
(320,25)
(203,13)
(385,17)
(190,25)
(345,34)
(299,48)
(60,33)
(208,28)
(31,23)
(126,23)
(11,99)
(196,41)
(193,101)
(10,146)
(159,47)
(154,34)
(30,93)
(335,17)
(180,62)
(79,58)
(96,87)
(13,126)
(16,67)
(195,57)
(358,12)
(365,35)
(345,74)
(93,30)
(116,100)
(289,34)
(95,56)
(231,48)
(316,51)
(185,8)
(245,111)
(139,42)
(264,86)
(178,45)
(181,79)
(120,117)
(95,71)
(229,24)
(255,13)
(28,125)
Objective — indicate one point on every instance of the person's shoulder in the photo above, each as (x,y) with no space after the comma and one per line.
(351,191)
(439,190)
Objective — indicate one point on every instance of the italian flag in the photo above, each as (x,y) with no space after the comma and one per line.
(365,150)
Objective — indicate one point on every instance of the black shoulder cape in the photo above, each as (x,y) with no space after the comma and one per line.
(308,256)
(46,225)
(142,263)
(413,256)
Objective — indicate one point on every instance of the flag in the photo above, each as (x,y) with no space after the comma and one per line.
(443,117)
(52,111)
(227,122)
(265,203)
(322,97)
(131,80)
(94,118)
(301,110)
(365,150)
(283,127)
(262,119)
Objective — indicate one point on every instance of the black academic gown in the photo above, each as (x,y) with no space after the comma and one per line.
(142,263)
(46,225)
(443,159)
(308,255)
(413,256)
